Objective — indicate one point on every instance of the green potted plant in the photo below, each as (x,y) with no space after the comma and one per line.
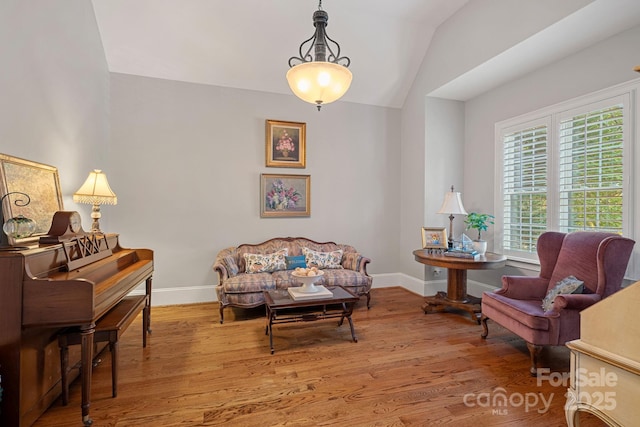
(480,222)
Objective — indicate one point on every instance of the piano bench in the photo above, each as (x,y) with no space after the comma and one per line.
(108,329)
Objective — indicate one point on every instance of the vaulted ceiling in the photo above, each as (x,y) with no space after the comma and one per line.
(246,44)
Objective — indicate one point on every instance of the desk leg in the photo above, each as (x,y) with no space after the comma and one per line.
(86,368)
(456,296)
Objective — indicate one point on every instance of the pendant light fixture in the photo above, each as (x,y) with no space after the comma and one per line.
(319,75)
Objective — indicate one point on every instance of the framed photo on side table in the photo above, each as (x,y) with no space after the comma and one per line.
(40,182)
(285,144)
(285,195)
(434,238)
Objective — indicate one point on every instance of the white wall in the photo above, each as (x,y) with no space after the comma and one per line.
(53,88)
(186,161)
(478,32)
(600,66)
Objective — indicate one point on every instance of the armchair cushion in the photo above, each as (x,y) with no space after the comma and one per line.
(568,285)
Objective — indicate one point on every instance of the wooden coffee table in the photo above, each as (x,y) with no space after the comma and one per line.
(281,308)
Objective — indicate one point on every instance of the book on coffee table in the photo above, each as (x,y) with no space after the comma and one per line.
(298,296)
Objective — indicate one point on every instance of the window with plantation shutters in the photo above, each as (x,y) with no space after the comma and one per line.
(565,168)
(524,187)
(591,175)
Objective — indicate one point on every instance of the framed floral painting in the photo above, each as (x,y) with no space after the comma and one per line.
(285,144)
(285,195)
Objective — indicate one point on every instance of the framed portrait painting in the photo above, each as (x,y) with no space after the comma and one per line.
(434,238)
(40,183)
(285,144)
(285,195)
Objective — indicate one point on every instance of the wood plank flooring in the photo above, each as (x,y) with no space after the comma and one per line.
(407,369)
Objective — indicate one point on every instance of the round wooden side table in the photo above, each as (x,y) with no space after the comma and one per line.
(456,295)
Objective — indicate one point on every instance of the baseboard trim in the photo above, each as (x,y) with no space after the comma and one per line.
(206,293)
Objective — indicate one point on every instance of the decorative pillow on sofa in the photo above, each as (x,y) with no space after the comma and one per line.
(295,261)
(568,285)
(323,259)
(266,263)
(231,265)
(351,261)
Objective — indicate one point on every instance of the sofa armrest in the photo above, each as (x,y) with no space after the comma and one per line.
(363,265)
(574,301)
(221,269)
(356,262)
(523,287)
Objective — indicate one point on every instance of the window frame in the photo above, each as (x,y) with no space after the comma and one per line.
(552,116)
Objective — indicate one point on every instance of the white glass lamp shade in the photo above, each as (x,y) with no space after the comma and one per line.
(452,204)
(319,82)
(96,190)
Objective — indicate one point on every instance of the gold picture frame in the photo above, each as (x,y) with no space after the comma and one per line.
(285,144)
(285,195)
(40,182)
(434,238)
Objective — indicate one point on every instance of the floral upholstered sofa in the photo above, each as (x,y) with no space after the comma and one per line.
(247,270)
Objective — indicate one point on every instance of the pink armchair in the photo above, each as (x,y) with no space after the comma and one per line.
(597,259)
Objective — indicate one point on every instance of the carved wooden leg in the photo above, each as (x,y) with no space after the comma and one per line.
(148,306)
(64,369)
(368,300)
(221,313)
(113,347)
(485,327)
(571,408)
(86,361)
(534,350)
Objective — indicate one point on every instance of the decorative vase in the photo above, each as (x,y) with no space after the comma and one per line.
(285,153)
(480,246)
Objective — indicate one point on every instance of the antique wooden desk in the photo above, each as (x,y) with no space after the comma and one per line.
(456,295)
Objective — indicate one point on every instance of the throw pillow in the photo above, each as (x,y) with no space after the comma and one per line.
(295,261)
(568,285)
(266,263)
(323,259)
(231,265)
(351,261)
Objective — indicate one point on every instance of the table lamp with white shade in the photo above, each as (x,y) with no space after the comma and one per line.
(452,205)
(96,191)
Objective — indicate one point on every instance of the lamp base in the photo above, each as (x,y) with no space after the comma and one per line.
(96,215)
(450,242)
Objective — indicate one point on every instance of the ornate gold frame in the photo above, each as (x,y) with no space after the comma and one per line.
(40,182)
(289,188)
(297,133)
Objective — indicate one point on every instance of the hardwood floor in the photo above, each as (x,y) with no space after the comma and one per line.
(407,369)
